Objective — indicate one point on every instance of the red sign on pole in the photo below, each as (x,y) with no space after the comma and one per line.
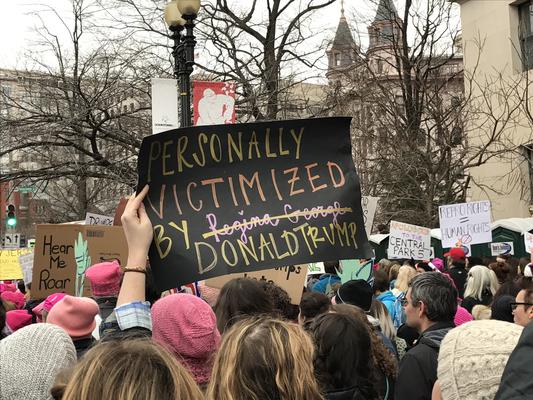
(214,103)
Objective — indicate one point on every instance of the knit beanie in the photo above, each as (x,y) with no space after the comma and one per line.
(357,293)
(472,358)
(17,319)
(48,303)
(75,315)
(31,359)
(17,298)
(462,316)
(438,264)
(8,287)
(501,308)
(105,278)
(187,326)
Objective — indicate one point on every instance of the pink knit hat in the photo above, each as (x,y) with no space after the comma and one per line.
(462,316)
(17,319)
(187,326)
(105,278)
(17,298)
(48,303)
(8,287)
(438,264)
(75,315)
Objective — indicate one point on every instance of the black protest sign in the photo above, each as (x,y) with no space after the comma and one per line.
(235,198)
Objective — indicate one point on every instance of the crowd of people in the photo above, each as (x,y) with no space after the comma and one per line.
(454,329)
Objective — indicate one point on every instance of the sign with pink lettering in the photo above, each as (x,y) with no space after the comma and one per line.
(237,198)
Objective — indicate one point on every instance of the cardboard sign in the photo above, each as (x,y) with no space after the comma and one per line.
(291,279)
(468,223)
(97,219)
(528,241)
(248,197)
(26,264)
(409,241)
(64,252)
(10,265)
(369,205)
(501,248)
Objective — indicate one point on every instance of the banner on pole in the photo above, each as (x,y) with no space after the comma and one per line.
(467,223)
(240,198)
(214,103)
(164,105)
(409,241)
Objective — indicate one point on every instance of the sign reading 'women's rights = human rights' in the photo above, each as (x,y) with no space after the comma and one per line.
(246,197)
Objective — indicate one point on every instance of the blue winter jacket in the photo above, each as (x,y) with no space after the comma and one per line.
(388,299)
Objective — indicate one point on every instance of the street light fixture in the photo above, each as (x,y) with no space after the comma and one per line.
(180,14)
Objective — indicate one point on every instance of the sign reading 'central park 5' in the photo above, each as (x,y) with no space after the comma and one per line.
(236,198)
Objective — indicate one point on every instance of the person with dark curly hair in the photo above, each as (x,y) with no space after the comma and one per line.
(386,371)
(343,359)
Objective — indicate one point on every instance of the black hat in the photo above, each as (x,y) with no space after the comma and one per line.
(357,293)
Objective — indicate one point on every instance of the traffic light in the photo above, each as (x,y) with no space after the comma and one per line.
(11,217)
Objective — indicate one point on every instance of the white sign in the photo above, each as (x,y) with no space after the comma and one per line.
(26,264)
(467,223)
(369,205)
(409,241)
(11,241)
(97,219)
(315,268)
(501,248)
(528,241)
(164,105)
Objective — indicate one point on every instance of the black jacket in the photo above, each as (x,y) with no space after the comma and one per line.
(418,368)
(516,383)
(353,393)
(458,274)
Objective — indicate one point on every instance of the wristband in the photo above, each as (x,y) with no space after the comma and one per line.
(140,270)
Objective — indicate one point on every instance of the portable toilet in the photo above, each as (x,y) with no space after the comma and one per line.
(380,244)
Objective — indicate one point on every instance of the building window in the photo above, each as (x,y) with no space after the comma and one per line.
(337,59)
(525,11)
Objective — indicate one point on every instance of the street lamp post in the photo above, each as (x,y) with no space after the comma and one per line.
(179,15)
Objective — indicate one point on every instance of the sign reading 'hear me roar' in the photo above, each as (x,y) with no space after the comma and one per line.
(236,198)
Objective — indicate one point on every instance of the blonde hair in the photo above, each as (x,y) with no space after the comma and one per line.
(137,369)
(8,306)
(480,279)
(264,358)
(379,311)
(481,312)
(405,274)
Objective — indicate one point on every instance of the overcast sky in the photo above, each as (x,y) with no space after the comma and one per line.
(16,25)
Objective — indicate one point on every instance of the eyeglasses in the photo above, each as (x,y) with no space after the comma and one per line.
(404,302)
(515,305)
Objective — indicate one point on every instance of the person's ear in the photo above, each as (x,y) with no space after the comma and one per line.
(421,309)
(530,312)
